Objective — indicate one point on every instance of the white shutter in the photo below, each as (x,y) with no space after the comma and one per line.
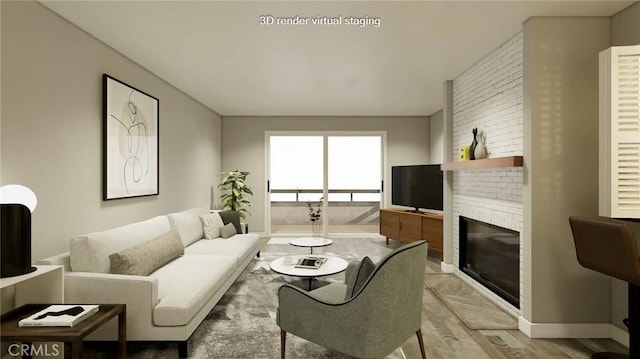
(619,195)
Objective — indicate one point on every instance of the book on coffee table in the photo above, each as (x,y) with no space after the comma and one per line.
(59,316)
(310,262)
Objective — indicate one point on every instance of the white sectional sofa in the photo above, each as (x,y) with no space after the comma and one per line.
(169,303)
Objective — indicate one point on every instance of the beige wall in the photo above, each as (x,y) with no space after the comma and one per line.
(52,129)
(561,167)
(436,137)
(625,26)
(625,30)
(243,145)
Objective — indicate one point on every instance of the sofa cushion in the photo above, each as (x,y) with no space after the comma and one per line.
(145,258)
(211,224)
(90,252)
(240,246)
(186,284)
(231,217)
(188,224)
(228,230)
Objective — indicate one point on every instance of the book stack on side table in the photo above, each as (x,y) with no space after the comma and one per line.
(72,331)
(59,316)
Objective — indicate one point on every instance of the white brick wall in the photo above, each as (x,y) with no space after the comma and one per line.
(501,184)
(489,96)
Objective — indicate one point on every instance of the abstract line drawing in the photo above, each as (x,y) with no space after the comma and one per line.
(130,141)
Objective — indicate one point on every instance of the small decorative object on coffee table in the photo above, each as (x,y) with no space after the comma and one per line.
(311,262)
(310,242)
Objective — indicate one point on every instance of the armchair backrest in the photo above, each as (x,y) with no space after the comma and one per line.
(391,298)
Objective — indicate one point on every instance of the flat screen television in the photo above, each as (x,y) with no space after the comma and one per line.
(417,186)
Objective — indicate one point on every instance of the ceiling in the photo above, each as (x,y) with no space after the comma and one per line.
(218,52)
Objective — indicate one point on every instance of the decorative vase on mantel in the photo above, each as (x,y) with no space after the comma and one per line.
(480,151)
(474,143)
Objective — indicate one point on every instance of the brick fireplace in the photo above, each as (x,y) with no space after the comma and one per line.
(490,255)
(489,96)
(532,100)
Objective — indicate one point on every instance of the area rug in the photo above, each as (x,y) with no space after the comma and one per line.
(243,323)
(475,311)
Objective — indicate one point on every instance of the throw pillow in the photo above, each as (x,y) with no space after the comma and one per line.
(211,224)
(362,273)
(228,230)
(146,257)
(231,217)
(188,224)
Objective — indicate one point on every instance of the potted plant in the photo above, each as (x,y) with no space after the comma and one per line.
(235,191)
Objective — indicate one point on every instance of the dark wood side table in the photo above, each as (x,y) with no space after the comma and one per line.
(10,331)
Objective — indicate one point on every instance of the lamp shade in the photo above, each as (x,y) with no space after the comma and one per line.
(18,194)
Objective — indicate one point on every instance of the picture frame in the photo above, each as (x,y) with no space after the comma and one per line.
(130,141)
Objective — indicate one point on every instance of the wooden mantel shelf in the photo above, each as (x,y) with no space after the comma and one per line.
(510,161)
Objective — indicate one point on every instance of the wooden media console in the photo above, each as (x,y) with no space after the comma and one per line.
(408,226)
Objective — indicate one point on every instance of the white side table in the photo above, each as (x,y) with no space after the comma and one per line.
(44,285)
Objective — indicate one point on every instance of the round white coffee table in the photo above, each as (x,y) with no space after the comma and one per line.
(287,265)
(310,242)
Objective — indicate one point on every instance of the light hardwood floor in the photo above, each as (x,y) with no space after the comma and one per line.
(446,336)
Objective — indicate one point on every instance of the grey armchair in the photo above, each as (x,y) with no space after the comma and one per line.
(369,315)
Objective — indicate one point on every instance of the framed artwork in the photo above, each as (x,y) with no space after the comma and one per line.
(130,141)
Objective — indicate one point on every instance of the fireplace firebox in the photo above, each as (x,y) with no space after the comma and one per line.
(491,255)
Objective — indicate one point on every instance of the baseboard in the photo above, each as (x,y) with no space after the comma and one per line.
(447,268)
(573,330)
